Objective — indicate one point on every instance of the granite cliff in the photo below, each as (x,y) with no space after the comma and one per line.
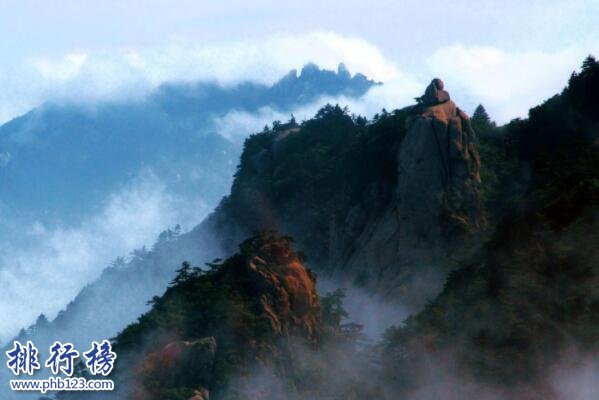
(390,204)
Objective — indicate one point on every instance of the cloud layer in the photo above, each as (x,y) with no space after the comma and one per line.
(236,125)
(507,82)
(126,72)
(43,275)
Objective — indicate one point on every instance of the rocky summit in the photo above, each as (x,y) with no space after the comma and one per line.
(439,173)
(386,205)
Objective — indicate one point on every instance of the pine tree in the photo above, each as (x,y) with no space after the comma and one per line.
(480,115)
(589,63)
(581,87)
(183,274)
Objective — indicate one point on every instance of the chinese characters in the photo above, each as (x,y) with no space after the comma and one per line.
(25,358)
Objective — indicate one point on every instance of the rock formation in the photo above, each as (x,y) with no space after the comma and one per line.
(395,227)
(439,169)
(190,363)
(434,94)
(404,250)
(507,324)
(284,288)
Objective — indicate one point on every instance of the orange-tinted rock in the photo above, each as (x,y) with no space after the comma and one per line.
(445,112)
(194,358)
(400,250)
(434,94)
(440,146)
(286,289)
(200,394)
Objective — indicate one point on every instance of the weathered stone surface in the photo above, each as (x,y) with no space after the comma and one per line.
(434,94)
(438,161)
(396,238)
(200,394)
(196,358)
(286,289)
(406,250)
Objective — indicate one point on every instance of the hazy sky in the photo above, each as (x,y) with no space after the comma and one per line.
(406,31)
(506,54)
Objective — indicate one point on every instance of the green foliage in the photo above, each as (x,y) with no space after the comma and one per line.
(501,185)
(185,273)
(219,301)
(498,170)
(372,157)
(198,305)
(314,171)
(526,296)
(581,87)
(333,312)
(480,118)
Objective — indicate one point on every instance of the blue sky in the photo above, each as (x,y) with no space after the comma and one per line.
(31,28)
(507,54)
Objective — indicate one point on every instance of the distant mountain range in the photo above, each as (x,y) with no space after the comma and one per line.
(59,161)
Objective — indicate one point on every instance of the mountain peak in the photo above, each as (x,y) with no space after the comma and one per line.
(310,69)
(342,71)
(313,82)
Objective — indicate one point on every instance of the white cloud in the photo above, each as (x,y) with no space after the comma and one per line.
(61,69)
(81,75)
(44,275)
(395,93)
(507,83)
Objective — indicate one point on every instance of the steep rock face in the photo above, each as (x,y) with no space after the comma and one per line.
(253,327)
(438,173)
(285,289)
(386,205)
(403,250)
